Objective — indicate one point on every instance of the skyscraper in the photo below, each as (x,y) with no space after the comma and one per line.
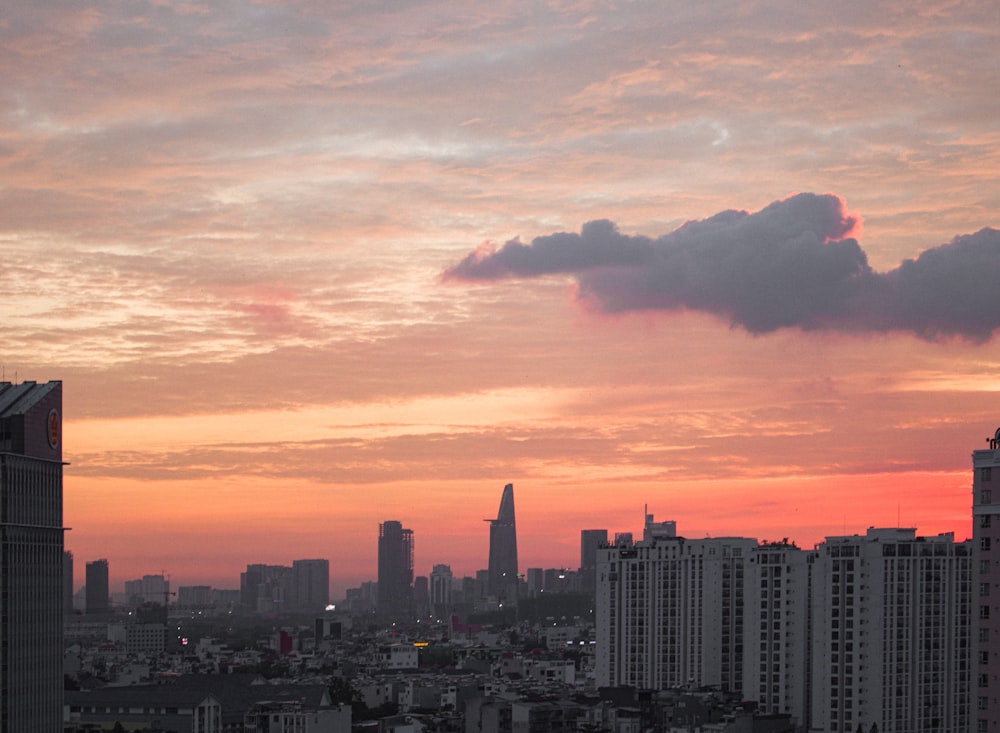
(986,567)
(98,596)
(31,557)
(441,582)
(311,584)
(503,549)
(395,572)
(590,541)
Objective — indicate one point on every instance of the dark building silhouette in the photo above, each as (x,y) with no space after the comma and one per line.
(590,541)
(31,557)
(98,596)
(395,571)
(311,584)
(503,549)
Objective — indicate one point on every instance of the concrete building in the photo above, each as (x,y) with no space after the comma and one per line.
(441,586)
(147,589)
(778,650)
(670,613)
(311,585)
(98,593)
(891,633)
(266,589)
(986,569)
(31,557)
(395,572)
(590,541)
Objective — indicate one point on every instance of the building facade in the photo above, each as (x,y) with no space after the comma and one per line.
(31,557)
(778,650)
(441,586)
(891,633)
(986,568)
(670,613)
(311,584)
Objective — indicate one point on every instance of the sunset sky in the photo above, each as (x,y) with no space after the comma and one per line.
(304,267)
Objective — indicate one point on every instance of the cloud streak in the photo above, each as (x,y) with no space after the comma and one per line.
(794,264)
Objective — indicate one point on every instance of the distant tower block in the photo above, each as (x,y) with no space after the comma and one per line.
(503,550)
(395,572)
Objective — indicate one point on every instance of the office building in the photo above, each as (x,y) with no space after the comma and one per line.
(590,541)
(98,594)
(194,596)
(311,584)
(670,613)
(441,585)
(503,550)
(31,557)
(148,589)
(986,569)
(395,572)
(266,589)
(891,633)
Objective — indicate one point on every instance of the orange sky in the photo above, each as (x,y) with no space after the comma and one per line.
(225,227)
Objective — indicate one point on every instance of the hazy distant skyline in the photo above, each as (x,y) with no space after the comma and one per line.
(237,230)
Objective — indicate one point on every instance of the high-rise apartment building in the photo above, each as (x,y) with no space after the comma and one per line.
(670,612)
(266,588)
(441,584)
(503,550)
(986,569)
(590,541)
(31,557)
(777,651)
(148,589)
(311,584)
(395,572)
(866,633)
(98,593)
(891,633)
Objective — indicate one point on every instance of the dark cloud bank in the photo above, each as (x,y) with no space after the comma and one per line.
(794,264)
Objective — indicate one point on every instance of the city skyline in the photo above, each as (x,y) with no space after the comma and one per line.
(297,265)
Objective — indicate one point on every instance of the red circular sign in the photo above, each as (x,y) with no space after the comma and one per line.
(54,428)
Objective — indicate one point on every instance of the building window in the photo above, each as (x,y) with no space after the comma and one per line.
(984,589)
(984,520)
(987,496)
(984,612)
(984,544)
(986,473)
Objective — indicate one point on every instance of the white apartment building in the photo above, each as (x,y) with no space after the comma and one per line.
(670,613)
(891,633)
(777,652)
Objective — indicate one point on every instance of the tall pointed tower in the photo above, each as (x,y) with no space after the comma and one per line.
(503,550)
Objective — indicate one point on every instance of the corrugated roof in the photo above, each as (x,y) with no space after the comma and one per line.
(16,399)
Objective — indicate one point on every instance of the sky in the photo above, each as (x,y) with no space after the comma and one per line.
(304,267)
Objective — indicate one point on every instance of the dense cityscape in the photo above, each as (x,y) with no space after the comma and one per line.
(882,630)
